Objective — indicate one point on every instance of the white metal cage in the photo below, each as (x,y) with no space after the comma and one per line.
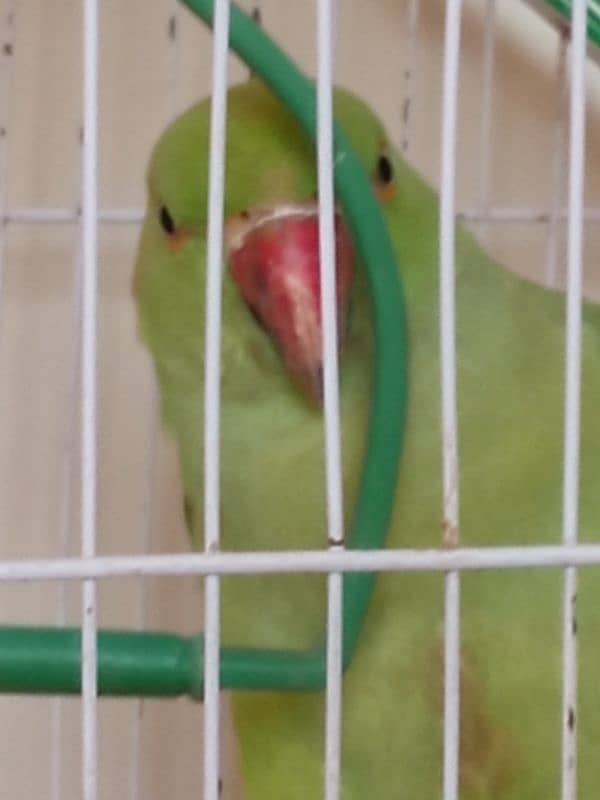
(55,473)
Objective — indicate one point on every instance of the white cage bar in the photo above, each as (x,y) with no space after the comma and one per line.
(558,168)
(216,181)
(333,455)
(298,561)
(6,86)
(127,216)
(409,75)
(68,479)
(573,393)
(171,8)
(450,528)
(486,126)
(89,687)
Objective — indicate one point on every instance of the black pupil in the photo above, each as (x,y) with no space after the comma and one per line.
(385,170)
(166,220)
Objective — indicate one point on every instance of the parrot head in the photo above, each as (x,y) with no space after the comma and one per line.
(271,230)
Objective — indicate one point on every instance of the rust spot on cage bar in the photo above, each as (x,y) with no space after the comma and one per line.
(449,534)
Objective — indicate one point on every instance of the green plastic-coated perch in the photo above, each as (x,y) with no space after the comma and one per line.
(48,661)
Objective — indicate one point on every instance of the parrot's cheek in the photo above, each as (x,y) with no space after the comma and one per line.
(274,260)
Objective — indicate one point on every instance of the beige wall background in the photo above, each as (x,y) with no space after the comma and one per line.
(144,78)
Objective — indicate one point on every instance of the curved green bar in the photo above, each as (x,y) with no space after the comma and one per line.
(263,669)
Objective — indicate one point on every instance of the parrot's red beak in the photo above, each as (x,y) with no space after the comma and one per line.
(274,259)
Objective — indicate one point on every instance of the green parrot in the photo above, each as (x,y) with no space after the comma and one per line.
(510,351)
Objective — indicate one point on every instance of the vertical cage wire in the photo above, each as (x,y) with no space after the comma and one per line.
(486,126)
(6,85)
(573,392)
(409,76)
(333,455)
(68,478)
(89,224)
(216,179)
(553,249)
(448,398)
(149,509)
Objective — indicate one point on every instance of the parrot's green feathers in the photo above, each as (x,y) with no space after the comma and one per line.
(268,157)
(510,352)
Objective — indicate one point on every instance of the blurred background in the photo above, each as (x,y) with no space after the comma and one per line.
(154,62)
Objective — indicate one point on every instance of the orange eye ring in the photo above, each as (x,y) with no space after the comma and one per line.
(385,191)
(177,241)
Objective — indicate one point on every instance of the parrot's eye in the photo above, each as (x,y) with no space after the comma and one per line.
(384,170)
(166,220)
